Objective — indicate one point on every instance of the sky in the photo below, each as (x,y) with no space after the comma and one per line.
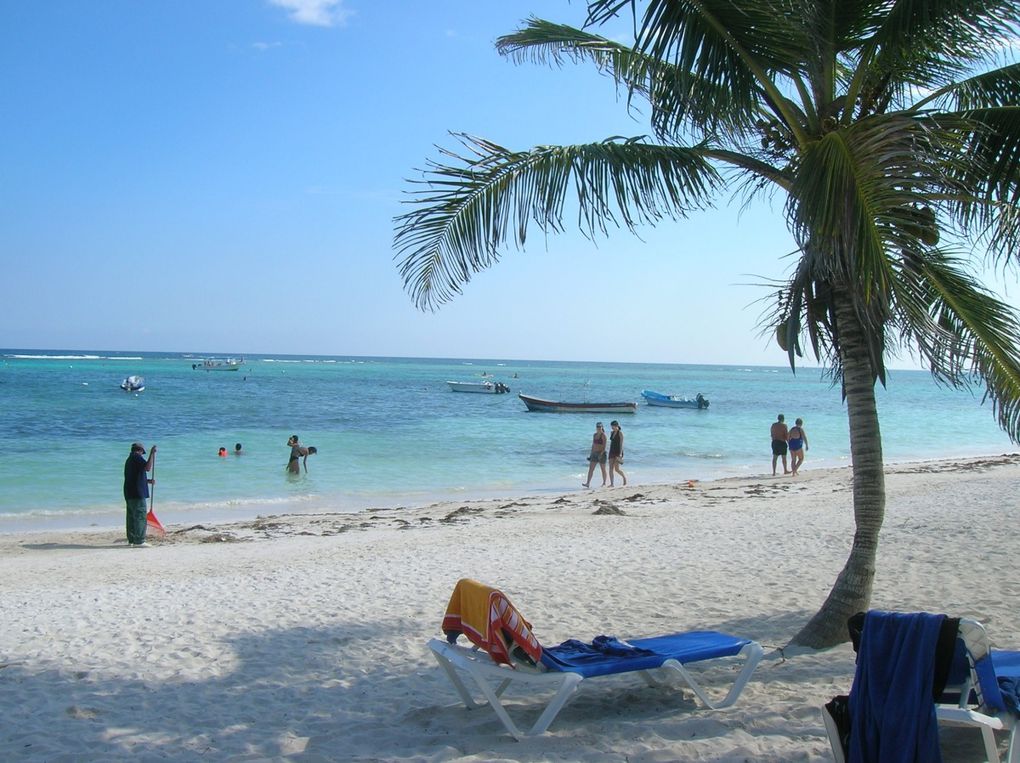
(222,177)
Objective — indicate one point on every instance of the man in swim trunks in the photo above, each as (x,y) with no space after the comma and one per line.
(779,432)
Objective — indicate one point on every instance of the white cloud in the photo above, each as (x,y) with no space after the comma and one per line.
(315,12)
(262,47)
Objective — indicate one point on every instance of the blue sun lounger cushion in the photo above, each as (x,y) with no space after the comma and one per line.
(606,655)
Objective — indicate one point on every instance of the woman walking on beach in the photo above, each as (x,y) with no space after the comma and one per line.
(615,452)
(597,455)
(798,444)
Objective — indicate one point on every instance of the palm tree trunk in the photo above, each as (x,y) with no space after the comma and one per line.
(851,592)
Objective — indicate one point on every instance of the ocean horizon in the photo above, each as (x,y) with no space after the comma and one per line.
(390,433)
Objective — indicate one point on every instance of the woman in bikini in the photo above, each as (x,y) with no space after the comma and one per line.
(798,444)
(597,455)
(616,452)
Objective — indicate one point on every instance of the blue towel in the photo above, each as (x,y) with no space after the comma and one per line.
(600,646)
(892,714)
(1007,671)
(1010,688)
(612,645)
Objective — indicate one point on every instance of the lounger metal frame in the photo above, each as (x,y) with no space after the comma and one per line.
(493,680)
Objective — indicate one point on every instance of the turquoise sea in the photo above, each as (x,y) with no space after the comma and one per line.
(390,433)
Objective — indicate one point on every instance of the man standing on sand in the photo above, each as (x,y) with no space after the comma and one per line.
(779,433)
(136,492)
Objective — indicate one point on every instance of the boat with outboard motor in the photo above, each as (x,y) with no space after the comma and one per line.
(674,401)
(483,387)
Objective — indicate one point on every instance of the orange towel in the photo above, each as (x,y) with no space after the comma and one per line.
(487,617)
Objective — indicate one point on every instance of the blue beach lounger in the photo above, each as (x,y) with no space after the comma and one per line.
(928,670)
(561,669)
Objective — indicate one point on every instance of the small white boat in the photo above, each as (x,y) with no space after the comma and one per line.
(484,388)
(133,384)
(218,364)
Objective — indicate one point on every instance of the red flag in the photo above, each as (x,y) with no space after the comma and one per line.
(154,524)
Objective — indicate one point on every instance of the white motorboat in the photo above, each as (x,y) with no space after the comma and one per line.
(218,364)
(483,387)
(133,384)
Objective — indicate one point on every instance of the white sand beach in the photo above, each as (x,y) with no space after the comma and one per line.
(303,638)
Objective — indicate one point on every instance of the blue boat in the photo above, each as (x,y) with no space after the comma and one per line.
(673,401)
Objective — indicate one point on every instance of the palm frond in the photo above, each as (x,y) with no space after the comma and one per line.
(466,209)
(679,100)
(991,89)
(735,45)
(930,44)
(962,330)
(845,232)
(984,171)
(704,36)
(858,200)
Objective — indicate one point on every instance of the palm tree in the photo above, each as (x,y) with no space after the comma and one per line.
(890,127)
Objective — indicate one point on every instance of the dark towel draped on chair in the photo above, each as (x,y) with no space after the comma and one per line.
(891,709)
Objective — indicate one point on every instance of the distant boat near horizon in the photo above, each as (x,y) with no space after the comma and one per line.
(218,364)
(484,387)
(700,402)
(550,406)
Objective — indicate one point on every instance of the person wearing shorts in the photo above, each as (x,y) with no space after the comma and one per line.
(779,433)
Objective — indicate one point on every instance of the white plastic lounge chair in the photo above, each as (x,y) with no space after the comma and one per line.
(562,668)
(972,697)
(981,704)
